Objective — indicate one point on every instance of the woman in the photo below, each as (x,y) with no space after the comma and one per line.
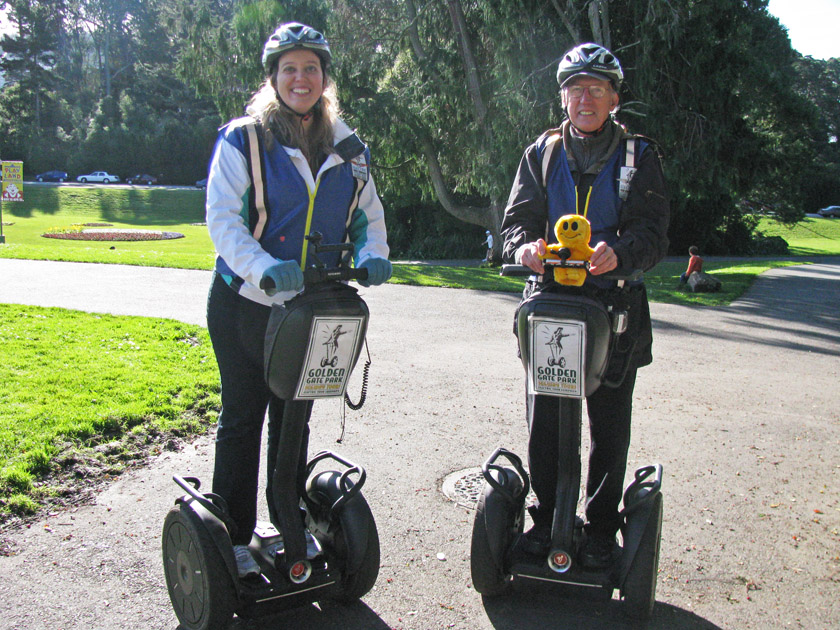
(289,168)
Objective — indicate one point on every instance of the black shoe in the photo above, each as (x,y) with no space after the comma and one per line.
(599,551)
(536,541)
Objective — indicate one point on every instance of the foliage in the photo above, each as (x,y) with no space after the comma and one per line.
(448,93)
(91,86)
(151,375)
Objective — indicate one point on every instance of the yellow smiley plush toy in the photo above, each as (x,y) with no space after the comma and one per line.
(573,232)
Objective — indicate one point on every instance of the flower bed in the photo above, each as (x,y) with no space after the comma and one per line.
(82,232)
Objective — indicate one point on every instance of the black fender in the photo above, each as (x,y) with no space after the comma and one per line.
(642,513)
(326,489)
(218,532)
(499,510)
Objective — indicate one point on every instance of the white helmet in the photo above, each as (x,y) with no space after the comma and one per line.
(294,35)
(591,60)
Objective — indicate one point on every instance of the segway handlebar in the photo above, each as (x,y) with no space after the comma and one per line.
(319,273)
(615,274)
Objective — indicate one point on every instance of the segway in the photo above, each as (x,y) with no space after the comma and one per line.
(321,541)
(496,558)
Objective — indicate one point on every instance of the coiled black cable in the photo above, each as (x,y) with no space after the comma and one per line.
(363,395)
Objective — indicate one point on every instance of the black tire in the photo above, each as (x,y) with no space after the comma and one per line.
(83,180)
(639,589)
(40,179)
(497,523)
(62,179)
(355,540)
(200,588)
(106,181)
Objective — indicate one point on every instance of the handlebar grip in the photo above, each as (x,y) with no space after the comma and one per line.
(516,270)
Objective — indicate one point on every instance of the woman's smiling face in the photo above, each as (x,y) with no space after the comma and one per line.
(299,79)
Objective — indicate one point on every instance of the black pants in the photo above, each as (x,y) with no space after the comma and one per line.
(237,329)
(610,411)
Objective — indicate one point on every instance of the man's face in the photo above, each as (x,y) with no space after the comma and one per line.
(587,111)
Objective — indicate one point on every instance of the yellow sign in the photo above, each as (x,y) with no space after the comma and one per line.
(12,181)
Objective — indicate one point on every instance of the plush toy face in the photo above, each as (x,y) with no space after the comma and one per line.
(573,231)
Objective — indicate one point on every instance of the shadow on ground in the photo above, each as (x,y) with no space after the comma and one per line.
(539,608)
(324,616)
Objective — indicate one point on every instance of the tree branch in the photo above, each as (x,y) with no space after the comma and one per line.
(570,27)
(470,214)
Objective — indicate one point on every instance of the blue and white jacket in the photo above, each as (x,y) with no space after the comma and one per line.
(340,202)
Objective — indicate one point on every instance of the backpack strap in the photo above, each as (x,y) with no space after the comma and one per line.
(548,151)
(258,201)
(628,168)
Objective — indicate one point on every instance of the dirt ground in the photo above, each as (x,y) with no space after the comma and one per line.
(740,406)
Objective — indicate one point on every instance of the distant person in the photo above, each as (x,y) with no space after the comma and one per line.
(289,168)
(489,242)
(695,263)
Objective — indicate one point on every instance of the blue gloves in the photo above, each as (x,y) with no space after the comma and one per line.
(379,270)
(286,275)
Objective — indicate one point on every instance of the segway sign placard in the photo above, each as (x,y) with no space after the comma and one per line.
(329,358)
(557,352)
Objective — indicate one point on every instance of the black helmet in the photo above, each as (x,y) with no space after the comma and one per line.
(294,35)
(591,60)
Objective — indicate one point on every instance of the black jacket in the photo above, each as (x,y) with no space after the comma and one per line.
(642,231)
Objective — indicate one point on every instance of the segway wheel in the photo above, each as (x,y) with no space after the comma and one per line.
(354,538)
(639,589)
(497,522)
(200,588)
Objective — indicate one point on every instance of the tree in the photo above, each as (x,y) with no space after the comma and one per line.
(454,88)
(27,62)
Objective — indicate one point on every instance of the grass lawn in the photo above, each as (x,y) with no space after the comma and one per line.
(73,382)
(82,392)
(48,207)
(809,237)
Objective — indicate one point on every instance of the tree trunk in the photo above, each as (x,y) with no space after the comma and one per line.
(489,217)
(599,20)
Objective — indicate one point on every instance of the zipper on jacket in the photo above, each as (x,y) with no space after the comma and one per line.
(310,210)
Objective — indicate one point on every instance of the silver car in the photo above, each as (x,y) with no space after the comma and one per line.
(830,211)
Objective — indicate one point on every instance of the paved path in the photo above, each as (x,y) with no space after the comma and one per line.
(740,406)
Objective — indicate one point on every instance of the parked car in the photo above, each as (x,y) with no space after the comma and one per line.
(142,178)
(52,176)
(201,183)
(830,211)
(101,177)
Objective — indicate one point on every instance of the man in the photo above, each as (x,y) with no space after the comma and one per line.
(488,240)
(593,167)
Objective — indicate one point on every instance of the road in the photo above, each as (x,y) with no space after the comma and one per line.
(740,407)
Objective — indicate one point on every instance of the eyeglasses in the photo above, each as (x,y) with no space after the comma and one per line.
(595,91)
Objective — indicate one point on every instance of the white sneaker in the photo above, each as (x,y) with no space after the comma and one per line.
(245,563)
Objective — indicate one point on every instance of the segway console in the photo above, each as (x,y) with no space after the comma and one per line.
(565,341)
(321,541)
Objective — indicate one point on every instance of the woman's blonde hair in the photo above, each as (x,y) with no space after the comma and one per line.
(280,122)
